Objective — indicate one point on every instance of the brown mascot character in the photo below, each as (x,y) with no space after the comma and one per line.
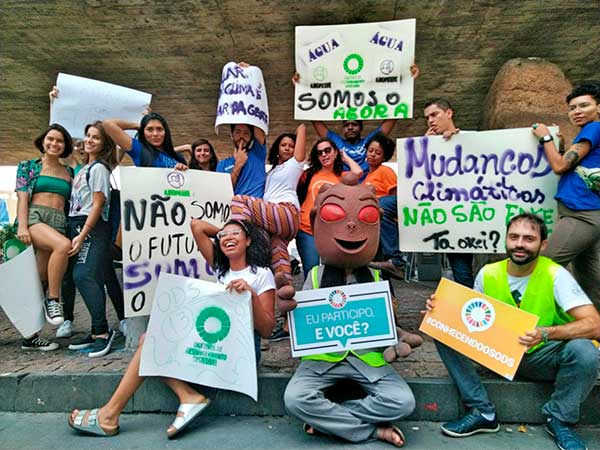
(346,221)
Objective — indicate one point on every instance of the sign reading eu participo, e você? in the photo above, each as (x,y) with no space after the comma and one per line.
(341,318)
(355,71)
(478,326)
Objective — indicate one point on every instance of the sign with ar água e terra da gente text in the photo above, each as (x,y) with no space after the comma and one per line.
(201,333)
(157,207)
(355,72)
(457,196)
(479,326)
(335,319)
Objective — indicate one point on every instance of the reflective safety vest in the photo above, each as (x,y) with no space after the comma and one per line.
(373,358)
(538,297)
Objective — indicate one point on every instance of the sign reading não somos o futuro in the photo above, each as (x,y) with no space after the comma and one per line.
(458,195)
(342,318)
(242,97)
(201,333)
(157,206)
(355,72)
(478,326)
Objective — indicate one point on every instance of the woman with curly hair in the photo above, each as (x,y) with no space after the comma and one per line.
(238,255)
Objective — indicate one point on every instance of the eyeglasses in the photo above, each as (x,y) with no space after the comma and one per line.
(325,151)
(224,233)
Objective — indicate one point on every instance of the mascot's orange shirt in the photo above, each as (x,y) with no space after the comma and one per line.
(383,179)
(319,179)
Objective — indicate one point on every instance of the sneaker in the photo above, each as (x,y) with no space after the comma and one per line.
(102,345)
(388,268)
(65,330)
(54,311)
(470,424)
(564,435)
(86,342)
(279,335)
(123,327)
(37,343)
(264,344)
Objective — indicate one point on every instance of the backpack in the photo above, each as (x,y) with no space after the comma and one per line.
(114,202)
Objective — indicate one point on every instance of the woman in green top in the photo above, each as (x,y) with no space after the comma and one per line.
(43,188)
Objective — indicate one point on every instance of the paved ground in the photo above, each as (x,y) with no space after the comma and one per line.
(147,431)
(411,296)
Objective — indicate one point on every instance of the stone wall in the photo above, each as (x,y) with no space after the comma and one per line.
(176,51)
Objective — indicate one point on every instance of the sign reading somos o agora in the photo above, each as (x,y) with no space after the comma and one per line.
(157,207)
(478,326)
(458,195)
(341,318)
(359,71)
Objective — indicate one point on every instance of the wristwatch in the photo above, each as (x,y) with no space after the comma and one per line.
(545,139)
(545,335)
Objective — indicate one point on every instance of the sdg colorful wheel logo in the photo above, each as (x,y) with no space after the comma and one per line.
(213,324)
(478,314)
(337,298)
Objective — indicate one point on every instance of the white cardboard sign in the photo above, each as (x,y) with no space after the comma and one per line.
(242,97)
(201,333)
(82,101)
(456,196)
(157,207)
(355,72)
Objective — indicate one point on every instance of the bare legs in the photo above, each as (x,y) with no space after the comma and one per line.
(53,249)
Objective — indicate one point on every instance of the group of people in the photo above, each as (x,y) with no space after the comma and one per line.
(269,209)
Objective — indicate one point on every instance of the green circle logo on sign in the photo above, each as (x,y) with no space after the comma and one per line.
(206,321)
(353,63)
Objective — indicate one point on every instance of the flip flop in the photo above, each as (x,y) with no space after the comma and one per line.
(190,412)
(92,427)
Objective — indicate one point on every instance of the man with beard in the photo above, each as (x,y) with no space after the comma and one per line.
(559,349)
(247,165)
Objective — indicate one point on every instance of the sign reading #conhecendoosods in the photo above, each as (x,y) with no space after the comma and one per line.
(352,317)
(458,195)
(478,326)
(355,72)
(157,207)
(201,333)
(242,97)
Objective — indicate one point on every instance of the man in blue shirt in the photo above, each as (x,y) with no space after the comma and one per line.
(247,165)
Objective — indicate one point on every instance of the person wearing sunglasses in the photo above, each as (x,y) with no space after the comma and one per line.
(325,166)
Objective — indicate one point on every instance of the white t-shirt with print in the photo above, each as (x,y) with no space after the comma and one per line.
(567,292)
(261,281)
(82,191)
(282,181)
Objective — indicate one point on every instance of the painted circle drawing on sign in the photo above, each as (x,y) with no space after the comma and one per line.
(177,325)
(320,73)
(175,179)
(213,324)
(353,64)
(478,314)
(337,298)
(386,67)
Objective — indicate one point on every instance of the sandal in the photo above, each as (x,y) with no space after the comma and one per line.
(92,426)
(190,411)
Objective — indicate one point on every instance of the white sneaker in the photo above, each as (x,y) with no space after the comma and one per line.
(65,330)
(123,327)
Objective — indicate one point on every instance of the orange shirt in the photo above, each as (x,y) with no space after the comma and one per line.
(318,180)
(383,179)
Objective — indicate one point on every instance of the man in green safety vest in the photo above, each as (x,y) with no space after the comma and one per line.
(345,221)
(559,349)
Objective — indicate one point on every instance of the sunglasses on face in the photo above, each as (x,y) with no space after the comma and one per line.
(224,233)
(325,151)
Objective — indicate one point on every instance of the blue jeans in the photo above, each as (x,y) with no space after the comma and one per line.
(559,361)
(462,268)
(308,251)
(390,245)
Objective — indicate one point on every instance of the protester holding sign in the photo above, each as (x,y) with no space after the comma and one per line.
(43,188)
(240,258)
(576,237)
(325,166)
(558,350)
(90,233)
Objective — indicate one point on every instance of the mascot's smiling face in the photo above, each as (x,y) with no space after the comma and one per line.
(345,222)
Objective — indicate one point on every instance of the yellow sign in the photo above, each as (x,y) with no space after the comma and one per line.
(479,326)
